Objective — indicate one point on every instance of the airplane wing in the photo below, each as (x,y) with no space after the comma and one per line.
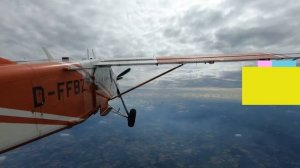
(198,59)
(180,60)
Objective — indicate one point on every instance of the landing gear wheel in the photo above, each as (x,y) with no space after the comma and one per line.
(131,118)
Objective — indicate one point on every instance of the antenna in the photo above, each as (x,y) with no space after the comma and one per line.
(94,54)
(49,56)
(88,53)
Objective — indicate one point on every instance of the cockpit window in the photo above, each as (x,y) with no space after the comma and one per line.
(104,79)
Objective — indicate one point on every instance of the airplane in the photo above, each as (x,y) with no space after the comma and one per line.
(43,97)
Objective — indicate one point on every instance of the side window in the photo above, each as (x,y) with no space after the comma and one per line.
(103,76)
(98,75)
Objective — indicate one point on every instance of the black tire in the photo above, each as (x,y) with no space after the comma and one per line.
(131,118)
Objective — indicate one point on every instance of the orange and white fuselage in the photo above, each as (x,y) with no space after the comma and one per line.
(37,99)
(41,98)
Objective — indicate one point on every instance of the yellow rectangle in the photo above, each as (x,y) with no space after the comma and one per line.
(271,86)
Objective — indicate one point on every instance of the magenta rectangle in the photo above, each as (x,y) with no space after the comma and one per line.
(264,63)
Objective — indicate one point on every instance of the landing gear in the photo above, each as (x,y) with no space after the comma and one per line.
(131,115)
(131,118)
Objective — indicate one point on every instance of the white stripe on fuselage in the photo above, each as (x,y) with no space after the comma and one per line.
(30,114)
(12,134)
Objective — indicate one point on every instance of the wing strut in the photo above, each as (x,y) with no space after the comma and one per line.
(147,81)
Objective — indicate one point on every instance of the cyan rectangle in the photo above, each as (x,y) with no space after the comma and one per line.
(284,63)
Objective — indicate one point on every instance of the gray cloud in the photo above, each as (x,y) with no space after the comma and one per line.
(122,29)
(29,25)
(226,79)
(237,26)
(272,33)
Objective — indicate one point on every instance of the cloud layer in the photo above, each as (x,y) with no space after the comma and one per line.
(142,29)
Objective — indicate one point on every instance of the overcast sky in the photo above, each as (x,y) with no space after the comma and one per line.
(140,28)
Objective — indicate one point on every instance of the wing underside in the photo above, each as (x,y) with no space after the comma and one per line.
(197,59)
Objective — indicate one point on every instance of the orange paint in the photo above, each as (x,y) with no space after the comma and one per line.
(64,92)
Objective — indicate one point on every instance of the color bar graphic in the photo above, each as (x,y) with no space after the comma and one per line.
(283,63)
(271,86)
(264,63)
